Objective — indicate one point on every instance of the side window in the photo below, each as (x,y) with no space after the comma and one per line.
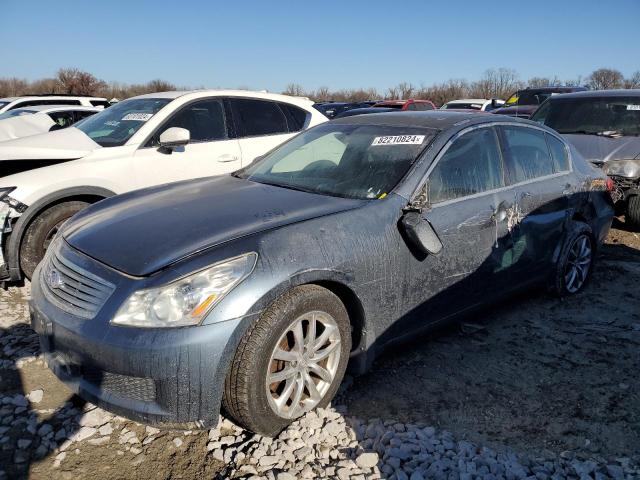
(82,114)
(258,117)
(528,154)
(559,154)
(412,106)
(472,164)
(62,119)
(32,103)
(423,106)
(204,119)
(296,117)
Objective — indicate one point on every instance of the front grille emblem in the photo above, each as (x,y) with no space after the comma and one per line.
(54,279)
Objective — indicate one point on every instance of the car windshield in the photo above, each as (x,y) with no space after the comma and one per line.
(16,113)
(115,125)
(526,97)
(352,161)
(606,116)
(463,106)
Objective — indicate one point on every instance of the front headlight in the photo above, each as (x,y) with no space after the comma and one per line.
(185,301)
(622,168)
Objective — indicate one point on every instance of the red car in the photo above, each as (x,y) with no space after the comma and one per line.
(410,104)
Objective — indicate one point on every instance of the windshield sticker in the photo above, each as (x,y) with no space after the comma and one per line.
(398,140)
(633,107)
(137,117)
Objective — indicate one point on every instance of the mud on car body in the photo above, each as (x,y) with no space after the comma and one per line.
(349,237)
(605,128)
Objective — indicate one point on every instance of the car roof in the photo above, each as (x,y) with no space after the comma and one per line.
(469,100)
(631,92)
(50,97)
(224,92)
(435,119)
(42,108)
(552,89)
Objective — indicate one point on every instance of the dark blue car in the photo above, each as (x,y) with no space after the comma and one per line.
(253,291)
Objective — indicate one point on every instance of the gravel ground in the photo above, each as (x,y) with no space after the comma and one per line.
(537,388)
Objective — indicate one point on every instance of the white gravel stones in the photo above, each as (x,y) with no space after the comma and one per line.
(367,460)
(95,418)
(177,442)
(35,396)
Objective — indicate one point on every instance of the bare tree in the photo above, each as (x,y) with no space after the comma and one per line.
(74,81)
(498,83)
(294,89)
(605,79)
(158,85)
(11,87)
(633,81)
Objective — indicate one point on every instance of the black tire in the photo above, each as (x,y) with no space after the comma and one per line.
(245,397)
(632,215)
(577,231)
(41,231)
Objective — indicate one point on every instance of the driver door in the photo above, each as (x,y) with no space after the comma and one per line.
(209,152)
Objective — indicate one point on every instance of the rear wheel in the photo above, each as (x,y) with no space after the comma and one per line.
(632,215)
(41,231)
(290,361)
(575,262)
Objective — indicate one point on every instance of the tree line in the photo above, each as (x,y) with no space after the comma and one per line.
(494,83)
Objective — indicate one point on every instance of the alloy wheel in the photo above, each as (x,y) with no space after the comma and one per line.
(303,364)
(578,263)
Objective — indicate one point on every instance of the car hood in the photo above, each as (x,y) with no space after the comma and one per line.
(599,149)
(144,231)
(524,111)
(24,126)
(67,144)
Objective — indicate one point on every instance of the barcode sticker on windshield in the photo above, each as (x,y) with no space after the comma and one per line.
(633,107)
(138,117)
(398,140)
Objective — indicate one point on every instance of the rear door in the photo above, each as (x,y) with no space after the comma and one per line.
(210,151)
(263,124)
(539,169)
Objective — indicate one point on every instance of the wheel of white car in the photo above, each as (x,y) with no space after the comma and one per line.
(41,231)
(290,361)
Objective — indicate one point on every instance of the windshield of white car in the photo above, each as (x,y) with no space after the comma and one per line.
(604,116)
(16,113)
(115,125)
(352,161)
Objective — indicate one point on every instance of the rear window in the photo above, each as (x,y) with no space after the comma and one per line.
(528,153)
(258,117)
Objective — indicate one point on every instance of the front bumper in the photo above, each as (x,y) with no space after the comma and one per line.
(172,377)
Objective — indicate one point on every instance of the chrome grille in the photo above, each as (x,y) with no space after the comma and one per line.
(72,288)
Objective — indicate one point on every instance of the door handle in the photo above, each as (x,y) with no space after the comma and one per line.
(228,158)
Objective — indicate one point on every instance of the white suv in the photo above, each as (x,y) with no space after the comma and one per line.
(143,141)
(9,103)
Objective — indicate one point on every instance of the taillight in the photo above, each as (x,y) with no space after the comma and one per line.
(610,185)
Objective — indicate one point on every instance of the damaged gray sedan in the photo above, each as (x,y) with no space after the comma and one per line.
(253,291)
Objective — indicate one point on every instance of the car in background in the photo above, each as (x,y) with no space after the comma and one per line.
(364,111)
(143,141)
(22,122)
(476,104)
(254,290)
(604,126)
(523,103)
(333,109)
(9,103)
(410,104)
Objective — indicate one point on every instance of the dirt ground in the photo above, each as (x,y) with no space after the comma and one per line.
(537,374)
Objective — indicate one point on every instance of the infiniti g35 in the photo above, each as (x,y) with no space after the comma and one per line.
(252,291)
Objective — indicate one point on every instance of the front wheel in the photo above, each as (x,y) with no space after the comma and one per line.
(575,262)
(41,231)
(290,361)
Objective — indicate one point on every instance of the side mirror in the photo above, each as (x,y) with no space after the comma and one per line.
(174,137)
(420,234)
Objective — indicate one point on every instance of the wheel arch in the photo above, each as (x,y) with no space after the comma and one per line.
(83,193)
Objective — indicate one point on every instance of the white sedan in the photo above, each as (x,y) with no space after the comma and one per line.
(140,142)
(477,104)
(22,122)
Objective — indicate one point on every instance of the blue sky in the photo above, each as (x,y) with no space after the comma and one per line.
(339,44)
